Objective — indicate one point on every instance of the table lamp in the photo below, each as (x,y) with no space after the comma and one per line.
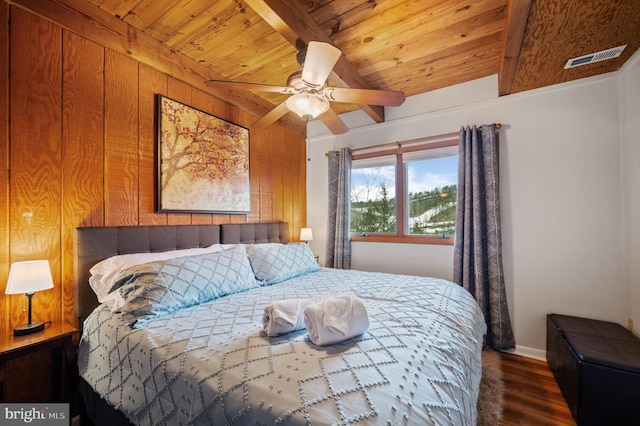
(306,235)
(29,277)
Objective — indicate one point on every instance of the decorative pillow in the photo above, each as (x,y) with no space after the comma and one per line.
(103,273)
(274,264)
(159,288)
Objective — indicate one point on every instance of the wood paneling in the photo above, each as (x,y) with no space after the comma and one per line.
(558,30)
(82,152)
(121,139)
(517,14)
(410,46)
(98,25)
(82,147)
(35,155)
(151,82)
(4,160)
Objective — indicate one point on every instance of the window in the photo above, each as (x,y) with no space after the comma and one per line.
(406,194)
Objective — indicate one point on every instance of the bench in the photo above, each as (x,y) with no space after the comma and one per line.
(597,367)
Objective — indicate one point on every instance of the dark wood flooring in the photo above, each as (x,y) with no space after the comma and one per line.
(532,396)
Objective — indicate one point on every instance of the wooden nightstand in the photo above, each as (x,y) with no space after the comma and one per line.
(56,341)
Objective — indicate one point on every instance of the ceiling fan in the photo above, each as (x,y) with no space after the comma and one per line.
(310,95)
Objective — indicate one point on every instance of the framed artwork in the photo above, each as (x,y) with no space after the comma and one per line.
(202,161)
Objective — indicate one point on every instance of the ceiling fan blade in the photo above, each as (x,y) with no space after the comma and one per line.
(272,116)
(224,84)
(364,96)
(320,59)
(334,122)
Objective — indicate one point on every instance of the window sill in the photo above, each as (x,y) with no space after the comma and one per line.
(380,238)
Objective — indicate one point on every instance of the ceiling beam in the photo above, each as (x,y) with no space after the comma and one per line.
(295,24)
(517,15)
(87,20)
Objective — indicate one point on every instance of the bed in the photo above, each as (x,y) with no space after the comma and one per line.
(210,362)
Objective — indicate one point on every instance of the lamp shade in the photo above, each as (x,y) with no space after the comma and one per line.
(307,105)
(29,277)
(306,234)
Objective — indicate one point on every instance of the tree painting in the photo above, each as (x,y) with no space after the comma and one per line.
(204,161)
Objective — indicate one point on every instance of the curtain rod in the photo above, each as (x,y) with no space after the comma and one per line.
(408,141)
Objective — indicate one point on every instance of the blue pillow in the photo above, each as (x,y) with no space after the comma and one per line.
(162,287)
(274,264)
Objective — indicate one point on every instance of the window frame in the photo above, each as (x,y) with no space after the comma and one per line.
(401,235)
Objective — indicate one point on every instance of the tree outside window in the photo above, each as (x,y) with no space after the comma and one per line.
(409,195)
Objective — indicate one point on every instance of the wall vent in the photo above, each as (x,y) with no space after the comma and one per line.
(603,55)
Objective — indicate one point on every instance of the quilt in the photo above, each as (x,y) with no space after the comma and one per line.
(418,363)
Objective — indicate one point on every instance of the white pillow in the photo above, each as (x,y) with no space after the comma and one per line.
(104,272)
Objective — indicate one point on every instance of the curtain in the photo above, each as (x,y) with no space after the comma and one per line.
(338,238)
(477,264)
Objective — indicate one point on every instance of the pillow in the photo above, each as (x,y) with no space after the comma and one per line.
(274,264)
(103,273)
(162,287)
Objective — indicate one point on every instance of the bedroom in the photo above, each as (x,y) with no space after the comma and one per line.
(581,259)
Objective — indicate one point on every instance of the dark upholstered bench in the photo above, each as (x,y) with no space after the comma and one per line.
(597,367)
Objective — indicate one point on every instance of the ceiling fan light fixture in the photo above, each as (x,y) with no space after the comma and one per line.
(308,105)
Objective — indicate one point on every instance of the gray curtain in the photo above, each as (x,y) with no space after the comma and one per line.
(477,264)
(338,238)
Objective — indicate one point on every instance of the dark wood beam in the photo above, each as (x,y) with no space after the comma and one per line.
(517,15)
(87,20)
(295,24)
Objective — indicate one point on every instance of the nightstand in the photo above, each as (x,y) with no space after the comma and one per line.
(56,338)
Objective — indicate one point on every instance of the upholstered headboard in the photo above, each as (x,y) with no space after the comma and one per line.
(93,244)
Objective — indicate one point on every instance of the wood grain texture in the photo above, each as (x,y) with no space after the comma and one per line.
(35,156)
(84,18)
(34,370)
(82,149)
(532,396)
(279,153)
(410,46)
(151,82)
(83,146)
(4,160)
(121,139)
(517,15)
(559,30)
(265,188)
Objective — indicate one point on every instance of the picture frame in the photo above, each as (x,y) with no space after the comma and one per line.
(202,161)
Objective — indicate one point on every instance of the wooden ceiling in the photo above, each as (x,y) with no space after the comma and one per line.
(412,46)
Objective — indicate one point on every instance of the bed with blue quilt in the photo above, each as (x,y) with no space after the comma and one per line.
(173,333)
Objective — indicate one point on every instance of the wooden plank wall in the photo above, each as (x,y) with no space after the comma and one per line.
(77,144)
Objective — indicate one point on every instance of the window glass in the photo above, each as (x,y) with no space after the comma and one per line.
(373,190)
(431,182)
(409,195)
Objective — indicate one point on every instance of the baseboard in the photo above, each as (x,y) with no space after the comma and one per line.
(529,352)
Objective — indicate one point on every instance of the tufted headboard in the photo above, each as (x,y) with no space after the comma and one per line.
(93,244)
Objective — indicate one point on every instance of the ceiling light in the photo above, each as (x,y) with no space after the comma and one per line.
(308,105)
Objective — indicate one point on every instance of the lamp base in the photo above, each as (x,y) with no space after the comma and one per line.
(21,330)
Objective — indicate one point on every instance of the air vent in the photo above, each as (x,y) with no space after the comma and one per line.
(595,57)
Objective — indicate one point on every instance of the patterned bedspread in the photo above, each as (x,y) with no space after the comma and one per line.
(419,362)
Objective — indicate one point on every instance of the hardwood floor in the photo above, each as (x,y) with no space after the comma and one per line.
(531,396)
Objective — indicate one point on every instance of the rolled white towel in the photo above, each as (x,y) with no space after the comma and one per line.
(336,319)
(284,316)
